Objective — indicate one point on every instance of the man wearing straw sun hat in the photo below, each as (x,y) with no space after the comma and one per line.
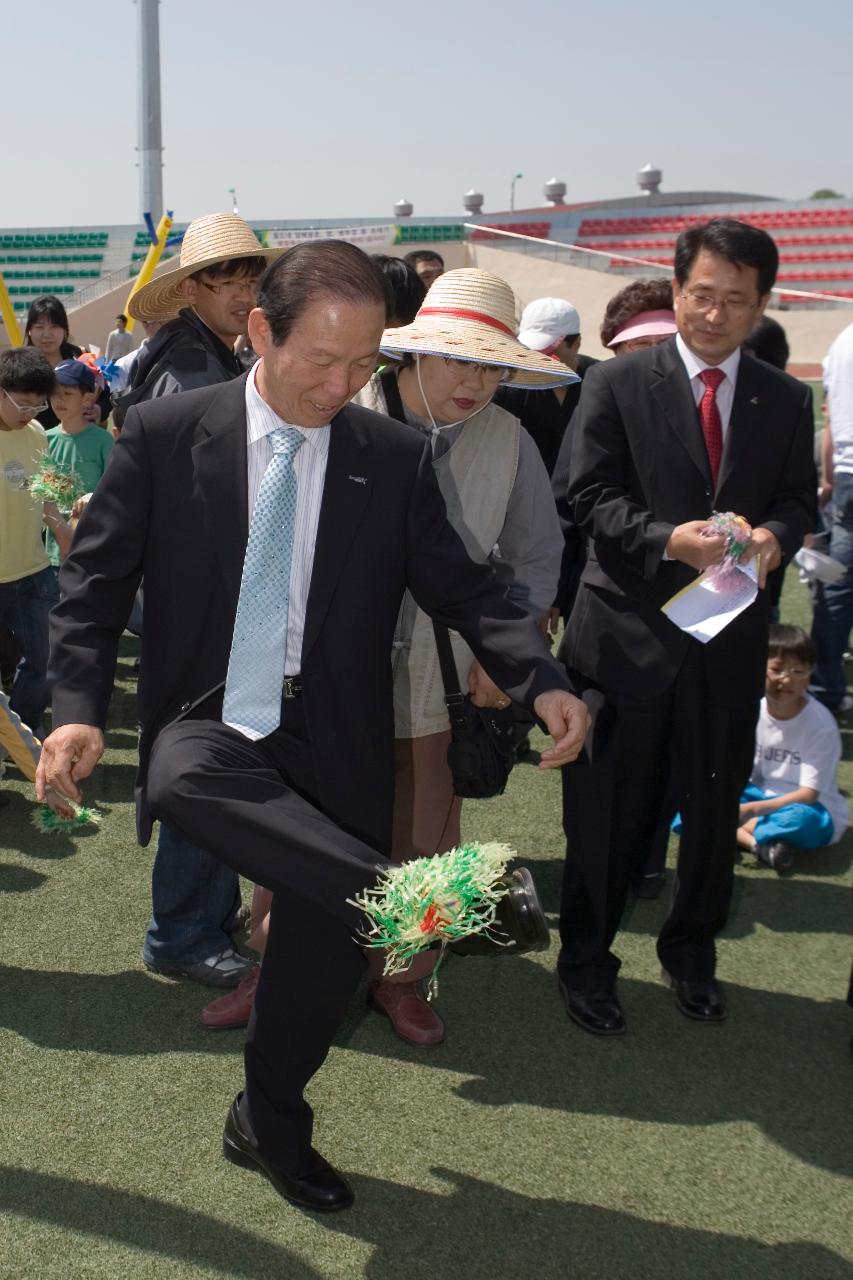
(208,293)
(449,363)
(207,296)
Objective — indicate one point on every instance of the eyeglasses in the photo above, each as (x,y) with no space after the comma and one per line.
(232,288)
(796,673)
(30,409)
(489,372)
(703,302)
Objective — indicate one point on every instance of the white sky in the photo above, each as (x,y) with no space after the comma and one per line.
(337,109)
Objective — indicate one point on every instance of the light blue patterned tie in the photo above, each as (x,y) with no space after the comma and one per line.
(256,666)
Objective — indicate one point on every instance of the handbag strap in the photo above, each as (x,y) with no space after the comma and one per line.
(393,400)
(453,694)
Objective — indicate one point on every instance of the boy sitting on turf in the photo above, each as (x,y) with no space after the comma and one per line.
(76,445)
(792,801)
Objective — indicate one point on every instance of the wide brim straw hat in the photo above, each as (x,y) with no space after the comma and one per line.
(470,315)
(216,237)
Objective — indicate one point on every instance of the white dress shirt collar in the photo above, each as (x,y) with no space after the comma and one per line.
(261,419)
(694,364)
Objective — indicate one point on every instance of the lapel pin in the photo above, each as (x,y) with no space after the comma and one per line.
(358,479)
(754,400)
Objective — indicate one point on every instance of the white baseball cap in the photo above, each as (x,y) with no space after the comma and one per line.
(546,321)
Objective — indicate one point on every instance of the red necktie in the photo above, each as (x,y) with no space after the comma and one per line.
(712,423)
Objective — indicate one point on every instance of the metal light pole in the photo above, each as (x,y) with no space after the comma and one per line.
(150,133)
(515,178)
(232,191)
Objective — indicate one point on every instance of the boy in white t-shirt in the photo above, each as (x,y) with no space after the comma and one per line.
(792,800)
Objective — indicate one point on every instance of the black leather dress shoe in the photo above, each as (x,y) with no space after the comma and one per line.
(649,886)
(595,1011)
(322,1189)
(519,923)
(701,1000)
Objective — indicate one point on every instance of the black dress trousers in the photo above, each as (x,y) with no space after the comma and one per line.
(254,805)
(612,798)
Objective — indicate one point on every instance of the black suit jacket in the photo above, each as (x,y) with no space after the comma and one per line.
(173,506)
(638,467)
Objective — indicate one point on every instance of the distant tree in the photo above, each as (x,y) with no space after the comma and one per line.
(826,193)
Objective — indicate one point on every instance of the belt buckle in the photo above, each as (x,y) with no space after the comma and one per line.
(292,687)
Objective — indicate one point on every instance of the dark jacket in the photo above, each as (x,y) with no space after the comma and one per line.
(173,505)
(182,356)
(638,468)
(548,421)
(542,415)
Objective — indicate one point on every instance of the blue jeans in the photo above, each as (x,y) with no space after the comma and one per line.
(24,607)
(833,602)
(193,897)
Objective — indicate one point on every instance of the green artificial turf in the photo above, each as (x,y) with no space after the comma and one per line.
(522,1147)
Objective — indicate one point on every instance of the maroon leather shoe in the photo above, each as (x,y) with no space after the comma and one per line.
(233,1010)
(403,1003)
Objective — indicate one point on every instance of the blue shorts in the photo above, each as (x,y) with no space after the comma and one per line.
(805,826)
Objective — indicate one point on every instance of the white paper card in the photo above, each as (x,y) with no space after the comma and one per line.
(705,607)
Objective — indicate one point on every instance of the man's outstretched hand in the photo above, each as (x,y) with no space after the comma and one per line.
(567,720)
(68,755)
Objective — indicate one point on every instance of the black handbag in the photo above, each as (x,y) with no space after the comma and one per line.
(482,751)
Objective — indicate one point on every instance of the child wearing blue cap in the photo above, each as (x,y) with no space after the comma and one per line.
(76,445)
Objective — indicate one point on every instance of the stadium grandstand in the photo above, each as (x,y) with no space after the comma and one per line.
(90,268)
(815,237)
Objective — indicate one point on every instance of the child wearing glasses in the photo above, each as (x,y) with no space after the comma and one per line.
(792,801)
(27,583)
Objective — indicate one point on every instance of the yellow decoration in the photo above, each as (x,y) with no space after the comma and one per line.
(13,330)
(149,264)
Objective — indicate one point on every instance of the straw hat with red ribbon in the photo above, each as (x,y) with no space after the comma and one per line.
(470,315)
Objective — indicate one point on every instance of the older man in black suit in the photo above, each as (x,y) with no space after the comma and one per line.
(267,718)
(661,439)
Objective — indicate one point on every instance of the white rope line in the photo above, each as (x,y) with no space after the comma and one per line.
(640,262)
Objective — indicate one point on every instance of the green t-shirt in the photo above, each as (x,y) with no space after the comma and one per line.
(87,455)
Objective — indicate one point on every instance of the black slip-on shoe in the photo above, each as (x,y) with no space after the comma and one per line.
(699,999)
(519,923)
(596,1011)
(322,1189)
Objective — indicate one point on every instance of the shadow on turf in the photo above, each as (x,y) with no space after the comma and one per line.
(799,903)
(125,1013)
(781,904)
(20,834)
(474,1229)
(15,879)
(514,1039)
(162,1231)
(477,1229)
